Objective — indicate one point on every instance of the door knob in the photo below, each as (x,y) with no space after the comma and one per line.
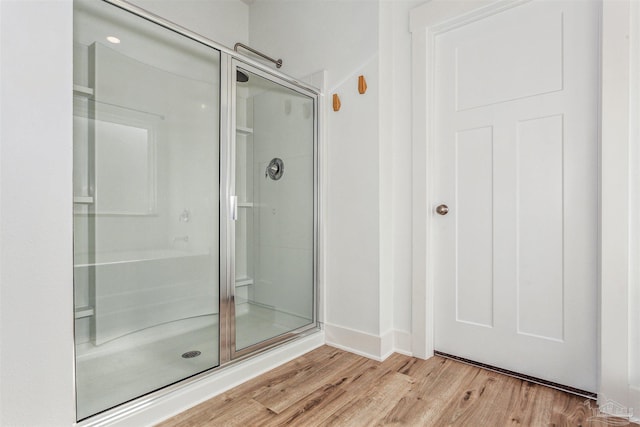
(442,210)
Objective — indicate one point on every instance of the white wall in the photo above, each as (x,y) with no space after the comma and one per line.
(36,298)
(397,56)
(339,36)
(634,211)
(395,174)
(634,192)
(353,264)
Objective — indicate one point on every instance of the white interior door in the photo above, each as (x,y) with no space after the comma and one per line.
(516,162)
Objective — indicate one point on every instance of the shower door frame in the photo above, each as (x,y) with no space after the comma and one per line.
(228,61)
(230,65)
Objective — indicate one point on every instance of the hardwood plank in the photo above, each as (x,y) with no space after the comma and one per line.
(316,408)
(568,410)
(331,387)
(242,413)
(374,404)
(532,405)
(482,401)
(437,384)
(287,390)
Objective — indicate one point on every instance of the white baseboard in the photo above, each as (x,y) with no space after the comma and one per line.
(402,342)
(161,408)
(387,344)
(358,342)
(368,345)
(634,403)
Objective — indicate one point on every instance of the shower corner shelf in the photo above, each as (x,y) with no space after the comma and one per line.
(83,200)
(244,281)
(244,130)
(81,312)
(83,90)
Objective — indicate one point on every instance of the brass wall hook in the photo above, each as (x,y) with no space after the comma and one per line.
(362,85)
(336,102)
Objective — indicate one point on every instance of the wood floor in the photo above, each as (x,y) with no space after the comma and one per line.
(331,387)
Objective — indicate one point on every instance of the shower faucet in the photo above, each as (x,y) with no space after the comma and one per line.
(185,216)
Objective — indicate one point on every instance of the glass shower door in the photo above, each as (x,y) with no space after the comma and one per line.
(273,295)
(146,206)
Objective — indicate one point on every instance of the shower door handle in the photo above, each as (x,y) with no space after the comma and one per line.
(234,207)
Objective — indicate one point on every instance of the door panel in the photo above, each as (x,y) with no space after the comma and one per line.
(274,231)
(146,191)
(474,286)
(516,162)
(540,281)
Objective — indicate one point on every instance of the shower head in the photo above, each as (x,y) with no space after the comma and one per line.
(241,77)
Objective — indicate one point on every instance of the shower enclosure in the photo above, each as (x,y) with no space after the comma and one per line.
(195,199)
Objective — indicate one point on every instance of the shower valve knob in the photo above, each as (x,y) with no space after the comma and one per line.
(275,169)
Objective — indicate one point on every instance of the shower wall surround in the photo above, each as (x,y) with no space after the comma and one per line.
(187,254)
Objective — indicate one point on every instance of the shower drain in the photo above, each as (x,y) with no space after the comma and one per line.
(191,354)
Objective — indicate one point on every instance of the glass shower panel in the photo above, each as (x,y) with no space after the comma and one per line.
(146,205)
(274,183)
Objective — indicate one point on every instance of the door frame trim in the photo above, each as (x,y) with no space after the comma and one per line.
(619,281)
